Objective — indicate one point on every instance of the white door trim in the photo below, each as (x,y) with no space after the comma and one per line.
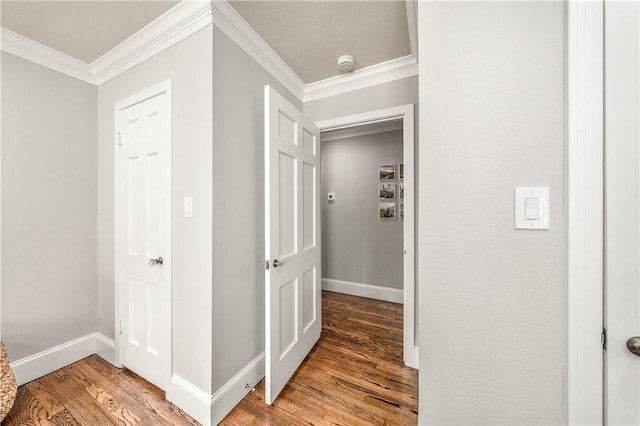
(584,212)
(164,87)
(406,113)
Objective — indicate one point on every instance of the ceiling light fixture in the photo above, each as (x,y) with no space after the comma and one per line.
(346,63)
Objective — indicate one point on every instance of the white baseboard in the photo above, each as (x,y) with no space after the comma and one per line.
(232,392)
(190,399)
(387,294)
(52,359)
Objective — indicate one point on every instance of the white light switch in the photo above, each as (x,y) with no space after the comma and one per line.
(188,206)
(532,208)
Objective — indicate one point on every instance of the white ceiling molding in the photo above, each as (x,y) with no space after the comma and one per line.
(362,130)
(412,22)
(229,21)
(175,25)
(33,51)
(373,75)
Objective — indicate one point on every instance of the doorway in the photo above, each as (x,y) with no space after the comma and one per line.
(404,119)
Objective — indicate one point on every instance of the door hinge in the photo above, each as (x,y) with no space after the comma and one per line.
(119,137)
(119,327)
(603,338)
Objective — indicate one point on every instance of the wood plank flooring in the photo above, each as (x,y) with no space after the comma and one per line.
(353,376)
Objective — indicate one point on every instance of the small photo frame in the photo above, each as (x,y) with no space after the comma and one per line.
(401,171)
(401,210)
(387,191)
(401,190)
(387,211)
(387,172)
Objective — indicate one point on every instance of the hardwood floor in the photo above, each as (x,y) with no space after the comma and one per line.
(93,392)
(353,376)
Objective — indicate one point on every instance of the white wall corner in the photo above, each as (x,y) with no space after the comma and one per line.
(52,359)
(232,392)
(388,294)
(384,72)
(40,54)
(190,399)
(175,25)
(229,21)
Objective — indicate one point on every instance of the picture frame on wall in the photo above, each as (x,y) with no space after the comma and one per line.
(401,171)
(401,191)
(387,211)
(387,191)
(387,172)
(401,210)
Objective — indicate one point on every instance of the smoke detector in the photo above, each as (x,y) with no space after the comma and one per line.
(346,63)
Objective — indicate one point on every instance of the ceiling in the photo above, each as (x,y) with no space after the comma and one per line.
(308,35)
(311,35)
(85,30)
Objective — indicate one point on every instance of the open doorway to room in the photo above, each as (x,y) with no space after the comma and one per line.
(363,211)
(368,211)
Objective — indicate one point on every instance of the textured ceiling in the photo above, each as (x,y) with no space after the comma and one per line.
(311,35)
(83,29)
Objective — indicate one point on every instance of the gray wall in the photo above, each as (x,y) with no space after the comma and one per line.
(356,245)
(48,207)
(238,214)
(189,65)
(400,92)
(492,299)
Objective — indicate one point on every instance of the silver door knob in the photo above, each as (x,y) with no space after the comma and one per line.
(633,344)
(277,264)
(154,262)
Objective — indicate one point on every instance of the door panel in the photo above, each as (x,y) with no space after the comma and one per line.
(144,192)
(292,229)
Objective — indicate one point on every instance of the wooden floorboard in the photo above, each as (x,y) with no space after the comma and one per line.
(353,376)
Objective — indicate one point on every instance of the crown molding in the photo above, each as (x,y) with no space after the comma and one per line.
(412,24)
(384,72)
(229,21)
(178,23)
(33,51)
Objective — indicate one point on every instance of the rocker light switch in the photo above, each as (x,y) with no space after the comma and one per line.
(532,208)
(188,206)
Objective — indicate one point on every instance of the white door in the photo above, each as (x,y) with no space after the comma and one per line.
(292,240)
(622,294)
(144,194)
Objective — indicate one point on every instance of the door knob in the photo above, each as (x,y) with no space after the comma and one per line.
(633,344)
(277,264)
(158,261)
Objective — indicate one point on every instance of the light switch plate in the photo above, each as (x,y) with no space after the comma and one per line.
(527,200)
(188,206)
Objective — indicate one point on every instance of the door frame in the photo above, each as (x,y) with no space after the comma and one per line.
(584,212)
(163,87)
(406,114)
